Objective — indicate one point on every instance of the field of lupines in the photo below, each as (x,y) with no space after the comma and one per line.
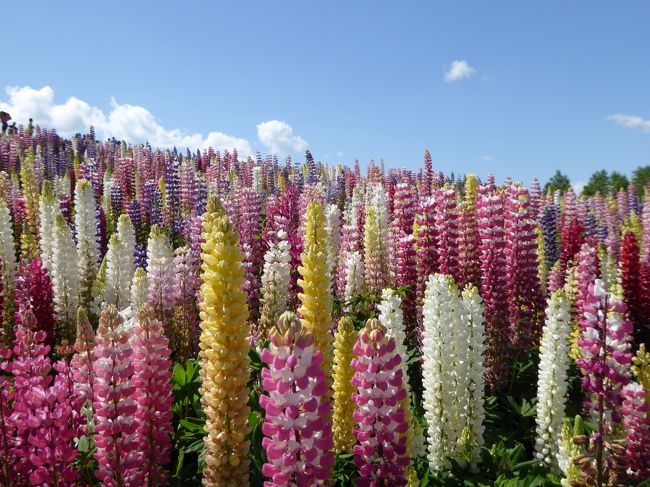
(183,318)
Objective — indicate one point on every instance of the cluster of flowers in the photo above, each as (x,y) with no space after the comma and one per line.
(172,255)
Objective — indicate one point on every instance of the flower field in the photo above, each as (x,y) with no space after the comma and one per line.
(179,318)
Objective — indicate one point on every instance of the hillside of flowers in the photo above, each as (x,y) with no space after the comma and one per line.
(198,318)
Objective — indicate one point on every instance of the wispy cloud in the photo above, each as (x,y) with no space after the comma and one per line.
(487,158)
(631,122)
(459,69)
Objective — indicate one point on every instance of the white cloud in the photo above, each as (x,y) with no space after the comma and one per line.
(631,122)
(129,122)
(278,137)
(487,158)
(459,69)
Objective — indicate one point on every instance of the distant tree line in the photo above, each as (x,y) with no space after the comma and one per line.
(602,182)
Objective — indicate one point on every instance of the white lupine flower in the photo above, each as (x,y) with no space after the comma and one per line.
(354,276)
(85,223)
(62,185)
(258,181)
(377,197)
(552,379)
(118,274)
(333,217)
(276,278)
(391,316)
(160,271)
(65,279)
(127,235)
(139,288)
(448,378)
(474,320)
(7,250)
(48,208)
(108,186)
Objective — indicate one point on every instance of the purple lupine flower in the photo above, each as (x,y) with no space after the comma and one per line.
(446,218)
(297,428)
(381,454)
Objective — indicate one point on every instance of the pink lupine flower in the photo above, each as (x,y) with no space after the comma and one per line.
(637,423)
(297,428)
(587,270)
(34,292)
(117,446)
(381,454)
(490,213)
(7,426)
(447,232)
(152,397)
(525,301)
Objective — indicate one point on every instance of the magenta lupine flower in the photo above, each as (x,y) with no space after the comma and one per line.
(297,428)
(525,301)
(613,239)
(426,244)
(34,292)
(446,218)
(251,245)
(645,221)
(7,426)
(637,423)
(117,446)
(152,397)
(43,415)
(630,279)
(490,213)
(605,350)
(380,455)
(556,278)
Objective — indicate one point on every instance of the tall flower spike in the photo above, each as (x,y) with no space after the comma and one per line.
(65,279)
(298,434)
(446,374)
(391,316)
(637,424)
(153,397)
(117,281)
(493,286)
(42,412)
(381,455)
(552,380)
(316,298)
(342,421)
(48,208)
(82,365)
(275,282)
(85,223)
(160,273)
(354,276)
(139,288)
(127,235)
(374,255)
(474,321)
(117,452)
(186,283)
(7,263)
(468,258)
(223,357)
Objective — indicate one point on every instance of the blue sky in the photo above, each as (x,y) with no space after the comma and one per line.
(537,83)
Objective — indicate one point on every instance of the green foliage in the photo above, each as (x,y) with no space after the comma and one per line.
(559,182)
(641,177)
(189,421)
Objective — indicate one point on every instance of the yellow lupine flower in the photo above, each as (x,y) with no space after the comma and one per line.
(343,410)
(316,309)
(641,370)
(224,351)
